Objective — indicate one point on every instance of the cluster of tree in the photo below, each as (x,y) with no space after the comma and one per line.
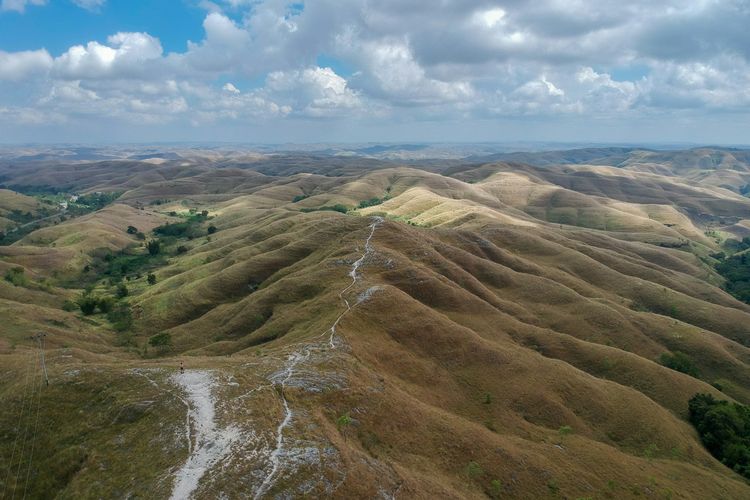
(680,362)
(736,271)
(190,228)
(724,428)
(373,201)
(334,208)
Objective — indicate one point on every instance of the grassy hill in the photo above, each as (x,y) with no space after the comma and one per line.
(497,329)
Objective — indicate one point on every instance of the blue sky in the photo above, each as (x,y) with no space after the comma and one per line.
(395,70)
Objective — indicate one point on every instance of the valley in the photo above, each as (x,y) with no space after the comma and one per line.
(384,323)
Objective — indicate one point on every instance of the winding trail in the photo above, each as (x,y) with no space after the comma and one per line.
(353,274)
(211,442)
(302,355)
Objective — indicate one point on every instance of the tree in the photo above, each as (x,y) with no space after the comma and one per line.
(724,429)
(16,276)
(161,341)
(87,304)
(182,249)
(680,362)
(211,229)
(204,213)
(132,230)
(122,291)
(105,304)
(151,279)
(154,247)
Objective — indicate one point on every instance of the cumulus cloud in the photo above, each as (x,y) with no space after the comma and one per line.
(16,66)
(404,58)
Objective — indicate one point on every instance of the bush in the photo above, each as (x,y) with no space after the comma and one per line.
(16,276)
(105,304)
(153,247)
(151,279)
(161,341)
(69,306)
(182,249)
(212,229)
(122,291)
(121,317)
(132,230)
(87,304)
(299,198)
(724,429)
(680,362)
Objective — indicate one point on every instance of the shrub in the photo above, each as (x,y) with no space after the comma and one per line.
(87,303)
(122,291)
(69,306)
(132,230)
(299,198)
(161,341)
(105,304)
(153,247)
(182,249)
(151,279)
(212,229)
(473,470)
(16,276)
(121,317)
(680,362)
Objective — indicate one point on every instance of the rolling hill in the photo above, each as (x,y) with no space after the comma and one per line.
(352,327)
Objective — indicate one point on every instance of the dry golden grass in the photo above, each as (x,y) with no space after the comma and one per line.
(472,339)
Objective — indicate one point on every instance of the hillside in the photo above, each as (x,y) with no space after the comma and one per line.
(357,328)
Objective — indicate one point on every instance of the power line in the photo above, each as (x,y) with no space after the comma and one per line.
(25,433)
(26,386)
(36,422)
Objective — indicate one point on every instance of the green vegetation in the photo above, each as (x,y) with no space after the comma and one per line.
(680,362)
(87,303)
(190,228)
(473,470)
(151,279)
(373,202)
(153,247)
(563,431)
(161,341)
(736,270)
(16,276)
(300,197)
(724,428)
(334,208)
(121,317)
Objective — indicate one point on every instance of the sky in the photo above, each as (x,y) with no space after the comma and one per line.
(270,71)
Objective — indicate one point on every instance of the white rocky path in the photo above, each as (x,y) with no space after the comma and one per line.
(212,443)
(300,355)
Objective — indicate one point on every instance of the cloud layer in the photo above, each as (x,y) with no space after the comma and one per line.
(405,61)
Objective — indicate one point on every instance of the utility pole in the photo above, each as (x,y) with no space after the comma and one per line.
(39,337)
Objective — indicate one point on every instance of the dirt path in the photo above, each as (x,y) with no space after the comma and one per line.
(302,354)
(211,442)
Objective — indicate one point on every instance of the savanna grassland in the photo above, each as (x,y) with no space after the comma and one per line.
(529,325)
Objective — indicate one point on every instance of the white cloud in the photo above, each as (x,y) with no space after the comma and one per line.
(404,59)
(313,91)
(126,55)
(19,5)
(229,87)
(92,5)
(16,66)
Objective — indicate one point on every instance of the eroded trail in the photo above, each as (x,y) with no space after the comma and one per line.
(300,355)
(212,443)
